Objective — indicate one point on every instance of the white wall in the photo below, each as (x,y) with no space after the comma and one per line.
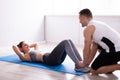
(113,21)
(101,7)
(58,28)
(21,20)
(24,19)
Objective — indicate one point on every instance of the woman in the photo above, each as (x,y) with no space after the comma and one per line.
(54,58)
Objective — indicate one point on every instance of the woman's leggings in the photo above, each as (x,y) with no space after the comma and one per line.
(59,53)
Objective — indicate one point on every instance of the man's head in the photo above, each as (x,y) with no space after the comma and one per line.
(85,16)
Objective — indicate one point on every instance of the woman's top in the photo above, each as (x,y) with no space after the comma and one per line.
(33,55)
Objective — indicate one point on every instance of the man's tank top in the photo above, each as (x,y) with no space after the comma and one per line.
(105,36)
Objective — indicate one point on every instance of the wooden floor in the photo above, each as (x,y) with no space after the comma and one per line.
(11,71)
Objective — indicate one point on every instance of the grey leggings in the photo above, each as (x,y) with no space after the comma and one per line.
(59,53)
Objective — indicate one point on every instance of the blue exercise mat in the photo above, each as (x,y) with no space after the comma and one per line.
(67,66)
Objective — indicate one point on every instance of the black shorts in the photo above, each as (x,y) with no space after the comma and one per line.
(105,59)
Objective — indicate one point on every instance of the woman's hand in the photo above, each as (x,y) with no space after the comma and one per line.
(34,45)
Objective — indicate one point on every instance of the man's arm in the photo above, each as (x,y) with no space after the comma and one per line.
(93,51)
(88,34)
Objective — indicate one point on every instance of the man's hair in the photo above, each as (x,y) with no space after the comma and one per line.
(86,12)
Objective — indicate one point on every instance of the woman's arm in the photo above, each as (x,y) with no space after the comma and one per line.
(18,52)
(106,69)
(34,45)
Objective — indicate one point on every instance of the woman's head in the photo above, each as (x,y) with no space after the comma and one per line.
(23,47)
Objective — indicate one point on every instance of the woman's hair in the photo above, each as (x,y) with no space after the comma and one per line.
(20,45)
(86,12)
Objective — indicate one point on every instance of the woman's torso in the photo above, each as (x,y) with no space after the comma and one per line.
(36,56)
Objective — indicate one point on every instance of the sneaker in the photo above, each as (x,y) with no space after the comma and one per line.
(84,69)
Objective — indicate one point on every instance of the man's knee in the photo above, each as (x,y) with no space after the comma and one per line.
(94,66)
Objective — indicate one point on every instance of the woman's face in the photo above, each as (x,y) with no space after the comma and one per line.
(25,47)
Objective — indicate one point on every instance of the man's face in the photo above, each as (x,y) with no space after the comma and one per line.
(83,20)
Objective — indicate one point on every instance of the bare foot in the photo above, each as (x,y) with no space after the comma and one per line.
(93,72)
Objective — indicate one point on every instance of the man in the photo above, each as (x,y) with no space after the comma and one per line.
(98,35)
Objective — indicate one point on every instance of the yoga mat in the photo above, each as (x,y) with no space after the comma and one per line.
(66,67)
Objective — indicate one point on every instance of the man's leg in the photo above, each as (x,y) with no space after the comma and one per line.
(104,59)
(106,69)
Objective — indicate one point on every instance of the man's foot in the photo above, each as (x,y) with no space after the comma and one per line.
(109,73)
(84,69)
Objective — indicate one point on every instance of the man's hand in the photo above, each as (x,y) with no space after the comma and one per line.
(79,64)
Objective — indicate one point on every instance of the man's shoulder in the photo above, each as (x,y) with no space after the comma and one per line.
(89,29)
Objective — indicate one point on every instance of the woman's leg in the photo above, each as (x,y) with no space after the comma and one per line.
(75,50)
(58,54)
(75,56)
(71,52)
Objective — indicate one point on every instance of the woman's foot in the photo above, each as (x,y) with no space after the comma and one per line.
(84,69)
(79,66)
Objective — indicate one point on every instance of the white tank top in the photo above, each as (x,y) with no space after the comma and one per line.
(104,34)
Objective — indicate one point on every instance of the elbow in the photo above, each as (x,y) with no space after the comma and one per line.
(13,47)
(36,44)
